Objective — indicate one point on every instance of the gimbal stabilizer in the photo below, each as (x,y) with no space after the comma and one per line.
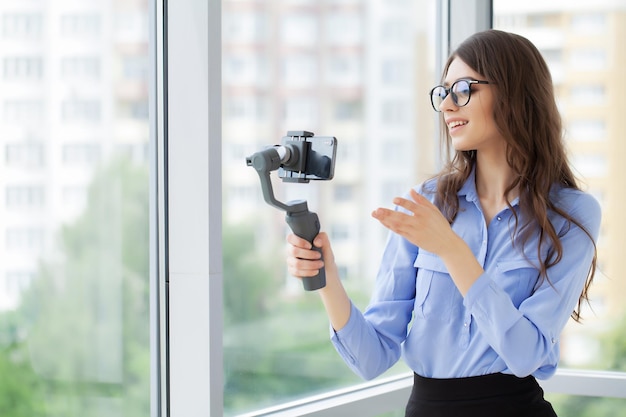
(301,157)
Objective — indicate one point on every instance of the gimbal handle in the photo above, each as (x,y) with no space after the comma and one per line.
(306,224)
(302,222)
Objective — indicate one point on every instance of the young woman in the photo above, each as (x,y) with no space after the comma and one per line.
(486,261)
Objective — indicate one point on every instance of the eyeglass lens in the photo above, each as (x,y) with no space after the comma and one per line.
(460,92)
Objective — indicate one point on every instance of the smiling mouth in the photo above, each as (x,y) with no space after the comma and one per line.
(454,124)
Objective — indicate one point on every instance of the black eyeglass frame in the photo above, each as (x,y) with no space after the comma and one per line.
(450,90)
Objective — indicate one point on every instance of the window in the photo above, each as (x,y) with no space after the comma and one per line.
(394,112)
(22,26)
(587,130)
(25,155)
(23,111)
(341,79)
(80,67)
(300,70)
(591,165)
(25,197)
(587,95)
(589,23)
(74,275)
(301,110)
(81,25)
(76,110)
(345,110)
(344,28)
(344,69)
(588,59)
(24,239)
(299,30)
(22,68)
(85,154)
(244,27)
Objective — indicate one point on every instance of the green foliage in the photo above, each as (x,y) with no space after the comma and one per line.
(249,280)
(614,347)
(579,406)
(80,341)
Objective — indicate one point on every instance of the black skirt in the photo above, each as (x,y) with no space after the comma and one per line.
(494,395)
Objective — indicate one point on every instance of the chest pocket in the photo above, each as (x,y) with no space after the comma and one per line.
(436,296)
(517,277)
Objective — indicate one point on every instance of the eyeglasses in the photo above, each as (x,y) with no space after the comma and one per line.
(461,91)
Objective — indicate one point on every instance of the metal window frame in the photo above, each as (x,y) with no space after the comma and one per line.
(186,267)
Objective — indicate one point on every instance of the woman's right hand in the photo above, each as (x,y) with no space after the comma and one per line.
(302,260)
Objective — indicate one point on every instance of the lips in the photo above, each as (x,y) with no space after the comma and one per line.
(456,123)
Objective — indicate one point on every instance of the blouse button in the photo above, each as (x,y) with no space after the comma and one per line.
(499,218)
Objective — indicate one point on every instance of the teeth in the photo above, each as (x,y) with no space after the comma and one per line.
(455,124)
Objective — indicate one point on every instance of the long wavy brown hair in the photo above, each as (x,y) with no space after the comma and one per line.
(527,116)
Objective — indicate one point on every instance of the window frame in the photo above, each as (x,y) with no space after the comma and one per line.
(186,267)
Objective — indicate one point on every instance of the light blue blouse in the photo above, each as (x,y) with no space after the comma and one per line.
(504,324)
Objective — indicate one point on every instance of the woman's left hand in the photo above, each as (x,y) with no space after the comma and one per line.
(425,226)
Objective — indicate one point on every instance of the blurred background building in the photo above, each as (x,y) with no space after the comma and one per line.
(73,92)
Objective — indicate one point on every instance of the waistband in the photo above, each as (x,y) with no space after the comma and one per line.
(472,388)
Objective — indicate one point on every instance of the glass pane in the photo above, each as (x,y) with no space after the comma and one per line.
(568,405)
(354,69)
(74,316)
(583,45)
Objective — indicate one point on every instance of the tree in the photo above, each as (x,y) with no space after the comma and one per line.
(85,319)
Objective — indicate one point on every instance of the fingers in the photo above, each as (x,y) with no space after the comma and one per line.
(302,260)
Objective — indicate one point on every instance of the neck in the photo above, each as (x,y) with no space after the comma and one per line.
(493,176)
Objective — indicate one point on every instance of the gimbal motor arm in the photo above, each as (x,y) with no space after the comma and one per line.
(302,222)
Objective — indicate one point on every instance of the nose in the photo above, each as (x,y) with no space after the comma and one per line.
(447,104)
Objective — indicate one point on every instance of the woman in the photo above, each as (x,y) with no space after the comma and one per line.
(486,261)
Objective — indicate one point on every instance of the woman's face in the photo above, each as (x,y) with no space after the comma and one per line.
(471,127)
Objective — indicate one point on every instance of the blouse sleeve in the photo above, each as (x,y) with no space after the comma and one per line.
(370,341)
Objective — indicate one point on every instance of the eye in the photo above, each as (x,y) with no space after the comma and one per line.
(462,88)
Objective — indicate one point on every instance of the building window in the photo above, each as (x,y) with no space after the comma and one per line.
(80,68)
(81,25)
(343,193)
(587,130)
(587,95)
(75,110)
(24,239)
(591,165)
(24,197)
(244,27)
(22,68)
(395,72)
(344,69)
(589,23)
(299,30)
(346,110)
(25,155)
(23,112)
(81,154)
(394,112)
(300,70)
(22,26)
(344,29)
(301,111)
(588,59)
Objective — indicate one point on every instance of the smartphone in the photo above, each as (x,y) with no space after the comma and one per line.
(316,157)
